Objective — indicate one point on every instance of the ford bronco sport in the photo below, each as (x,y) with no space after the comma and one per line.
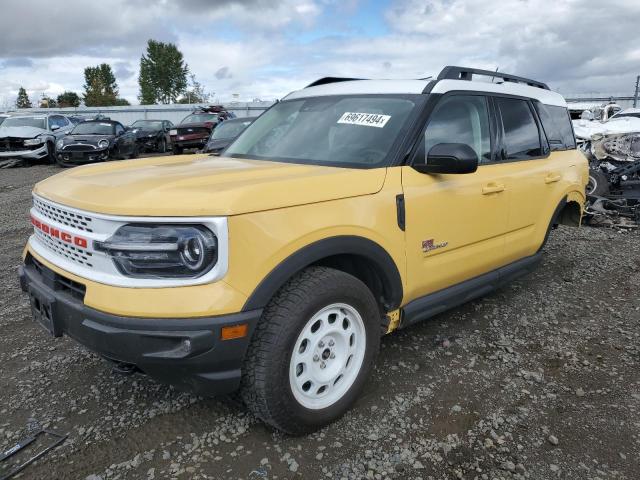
(348,210)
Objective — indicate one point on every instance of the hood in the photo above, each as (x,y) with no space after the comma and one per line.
(203,185)
(21,132)
(89,139)
(585,129)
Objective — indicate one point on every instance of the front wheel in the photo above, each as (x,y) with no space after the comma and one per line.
(135,152)
(177,150)
(312,351)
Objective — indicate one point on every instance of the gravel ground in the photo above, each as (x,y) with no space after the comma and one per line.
(539,380)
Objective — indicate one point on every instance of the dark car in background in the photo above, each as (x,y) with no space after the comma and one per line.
(96,141)
(195,129)
(152,135)
(225,133)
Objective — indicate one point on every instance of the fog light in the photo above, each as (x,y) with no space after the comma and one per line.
(234,331)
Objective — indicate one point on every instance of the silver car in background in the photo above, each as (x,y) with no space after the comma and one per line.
(32,137)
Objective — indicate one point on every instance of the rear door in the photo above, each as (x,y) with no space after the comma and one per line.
(455,224)
(534,178)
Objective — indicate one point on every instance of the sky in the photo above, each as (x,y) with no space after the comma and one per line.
(248,49)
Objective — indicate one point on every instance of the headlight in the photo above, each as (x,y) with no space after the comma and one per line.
(173,132)
(151,135)
(103,143)
(162,251)
(60,144)
(33,141)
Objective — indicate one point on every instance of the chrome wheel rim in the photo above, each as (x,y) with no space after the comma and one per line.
(327,356)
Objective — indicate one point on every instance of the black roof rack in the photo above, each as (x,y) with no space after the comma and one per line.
(325,80)
(464,73)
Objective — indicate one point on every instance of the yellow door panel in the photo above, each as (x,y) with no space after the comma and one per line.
(455,226)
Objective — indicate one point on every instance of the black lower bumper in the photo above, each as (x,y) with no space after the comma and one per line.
(185,352)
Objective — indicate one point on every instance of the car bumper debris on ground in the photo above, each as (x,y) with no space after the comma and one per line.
(539,380)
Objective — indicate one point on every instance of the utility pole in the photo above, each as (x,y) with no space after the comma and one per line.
(635,97)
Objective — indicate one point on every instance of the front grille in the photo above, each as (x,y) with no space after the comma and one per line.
(56,281)
(193,131)
(13,145)
(66,250)
(81,222)
(78,148)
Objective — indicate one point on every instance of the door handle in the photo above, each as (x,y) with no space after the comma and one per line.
(492,187)
(552,177)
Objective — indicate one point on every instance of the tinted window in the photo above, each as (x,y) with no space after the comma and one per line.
(200,118)
(354,131)
(460,119)
(93,128)
(229,129)
(521,136)
(557,126)
(119,129)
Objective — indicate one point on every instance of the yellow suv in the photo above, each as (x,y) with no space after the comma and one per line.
(347,210)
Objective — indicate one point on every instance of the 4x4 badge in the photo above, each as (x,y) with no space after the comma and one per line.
(428,245)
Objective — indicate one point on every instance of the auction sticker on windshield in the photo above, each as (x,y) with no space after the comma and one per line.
(364,119)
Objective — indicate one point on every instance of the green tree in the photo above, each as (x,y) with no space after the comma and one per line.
(100,86)
(68,99)
(196,94)
(121,102)
(23,99)
(163,73)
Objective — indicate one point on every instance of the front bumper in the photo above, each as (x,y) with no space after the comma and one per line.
(184,352)
(189,141)
(36,154)
(76,157)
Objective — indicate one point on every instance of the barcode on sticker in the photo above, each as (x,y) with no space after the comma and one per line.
(364,119)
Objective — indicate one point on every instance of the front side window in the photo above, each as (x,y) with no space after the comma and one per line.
(460,119)
(345,131)
(521,136)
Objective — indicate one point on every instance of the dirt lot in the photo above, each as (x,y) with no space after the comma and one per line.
(539,380)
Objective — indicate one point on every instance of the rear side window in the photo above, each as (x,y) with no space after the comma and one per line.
(521,136)
(556,123)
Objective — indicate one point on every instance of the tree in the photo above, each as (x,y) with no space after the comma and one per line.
(121,102)
(68,99)
(163,73)
(23,99)
(100,86)
(48,102)
(195,94)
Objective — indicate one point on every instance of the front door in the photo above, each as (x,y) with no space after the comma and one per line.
(455,223)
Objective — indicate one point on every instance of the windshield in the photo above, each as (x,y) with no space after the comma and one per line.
(37,122)
(229,129)
(353,131)
(200,118)
(93,128)
(154,124)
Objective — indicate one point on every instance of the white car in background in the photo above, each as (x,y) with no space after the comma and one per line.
(32,137)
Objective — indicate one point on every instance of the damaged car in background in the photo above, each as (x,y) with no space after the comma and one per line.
(96,141)
(152,135)
(613,150)
(26,139)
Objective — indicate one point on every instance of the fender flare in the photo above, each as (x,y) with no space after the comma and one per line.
(329,247)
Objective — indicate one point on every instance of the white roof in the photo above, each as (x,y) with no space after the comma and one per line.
(352,87)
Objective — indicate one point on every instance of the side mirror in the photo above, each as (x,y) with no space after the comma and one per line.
(55,127)
(449,158)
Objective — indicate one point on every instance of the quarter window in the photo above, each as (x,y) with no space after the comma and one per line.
(521,136)
(460,119)
(556,123)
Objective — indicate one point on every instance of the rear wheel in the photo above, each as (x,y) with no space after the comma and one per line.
(135,152)
(312,351)
(598,184)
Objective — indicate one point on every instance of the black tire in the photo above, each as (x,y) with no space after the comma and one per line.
(135,153)
(598,184)
(265,386)
(51,154)
(162,145)
(177,150)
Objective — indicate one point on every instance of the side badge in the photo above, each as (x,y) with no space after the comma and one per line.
(428,245)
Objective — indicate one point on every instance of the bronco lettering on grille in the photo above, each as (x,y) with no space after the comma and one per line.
(54,232)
